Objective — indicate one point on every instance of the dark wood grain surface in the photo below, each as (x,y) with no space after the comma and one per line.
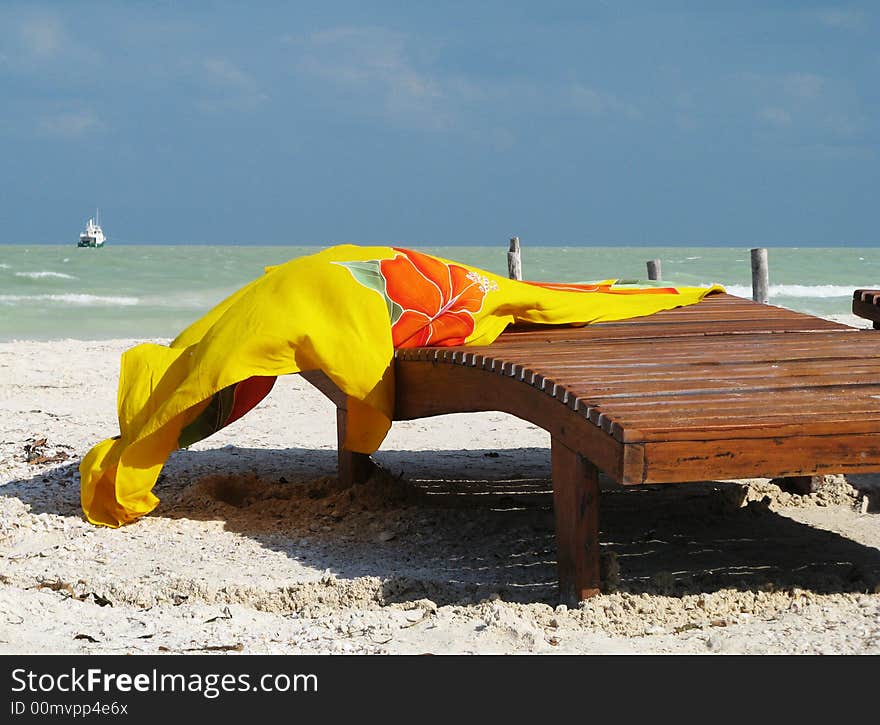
(726,388)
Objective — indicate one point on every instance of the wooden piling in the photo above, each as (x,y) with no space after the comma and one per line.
(760,277)
(514,259)
(654,269)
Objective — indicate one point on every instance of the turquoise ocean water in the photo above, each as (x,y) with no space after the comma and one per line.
(145,292)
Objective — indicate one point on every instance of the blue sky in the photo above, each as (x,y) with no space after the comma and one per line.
(668,123)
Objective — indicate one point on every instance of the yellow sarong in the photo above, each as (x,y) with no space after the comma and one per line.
(342,311)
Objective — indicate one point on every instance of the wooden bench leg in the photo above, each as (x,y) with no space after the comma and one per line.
(353,468)
(576,509)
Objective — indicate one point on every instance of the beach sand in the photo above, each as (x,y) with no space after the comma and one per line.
(255,548)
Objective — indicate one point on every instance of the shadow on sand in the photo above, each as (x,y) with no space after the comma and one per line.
(457,526)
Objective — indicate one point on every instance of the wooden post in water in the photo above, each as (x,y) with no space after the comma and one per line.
(654,269)
(760,277)
(514,260)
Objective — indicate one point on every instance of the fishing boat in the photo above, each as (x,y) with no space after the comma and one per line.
(93,236)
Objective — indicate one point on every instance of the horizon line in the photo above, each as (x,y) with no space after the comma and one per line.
(322,245)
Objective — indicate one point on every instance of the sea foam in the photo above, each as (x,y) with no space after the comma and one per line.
(797,290)
(82,300)
(44,275)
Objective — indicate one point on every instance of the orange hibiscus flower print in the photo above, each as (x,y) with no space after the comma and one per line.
(430,302)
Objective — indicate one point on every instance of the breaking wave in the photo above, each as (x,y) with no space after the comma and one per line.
(81,300)
(44,275)
(797,290)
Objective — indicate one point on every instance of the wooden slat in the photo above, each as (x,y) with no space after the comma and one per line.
(773,456)
(791,402)
(603,393)
(636,349)
(870,296)
(780,426)
(743,410)
(636,419)
(838,366)
(668,330)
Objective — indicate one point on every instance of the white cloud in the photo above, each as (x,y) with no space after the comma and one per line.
(827,107)
(32,40)
(42,35)
(775,116)
(841,18)
(375,65)
(844,122)
(72,124)
(379,72)
(238,89)
(806,86)
(839,152)
(598,103)
(365,56)
(227,73)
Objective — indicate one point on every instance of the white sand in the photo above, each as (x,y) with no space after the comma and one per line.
(254,549)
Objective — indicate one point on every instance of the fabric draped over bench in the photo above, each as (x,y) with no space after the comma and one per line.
(342,311)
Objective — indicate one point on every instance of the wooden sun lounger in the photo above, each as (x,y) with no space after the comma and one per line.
(723,389)
(866,303)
